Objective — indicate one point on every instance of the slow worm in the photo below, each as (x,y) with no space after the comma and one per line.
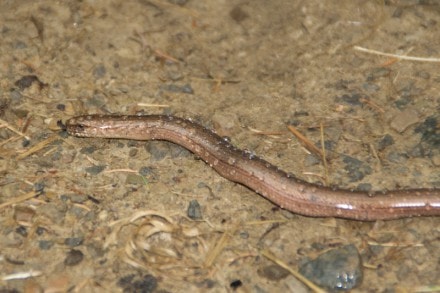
(281,188)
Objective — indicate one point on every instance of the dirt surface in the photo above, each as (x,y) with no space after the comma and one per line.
(106,215)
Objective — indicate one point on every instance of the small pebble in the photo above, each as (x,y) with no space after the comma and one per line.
(194,210)
(73,241)
(186,89)
(353,99)
(337,269)
(404,119)
(430,131)
(45,244)
(238,14)
(378,73)
(88,150)
(99,71)
(145,284)
(365,187)
(73,257)
(385,141)
(135,179)
(78,198)
(235,284)
(158,151)
(356,169)
(273,272)
(22,231)
(133,152)
(94,170)
(27,81)
(145,171)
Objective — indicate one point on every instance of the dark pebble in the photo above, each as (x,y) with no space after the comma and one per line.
(365,187)
(73,257)
(378,73)
(160,150)
(430,131)
(132,143)
(338,269)
(402,102)
(133,152)
(371,87)
(27,81)
(235,284)
(194,210)
(45,244)
(356,169)
(73,241)
(144,284)
(395,157)
(244,235)
(385,141)
(25,142)
(353,99)
(145,171)
(22,231)
(300,114)
(273,272)
(186,89)
(88,150)
(99,71)
(238,14)
(94,170)
(40,231)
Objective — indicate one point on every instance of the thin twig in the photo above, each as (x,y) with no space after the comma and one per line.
(306,142)
(401,57)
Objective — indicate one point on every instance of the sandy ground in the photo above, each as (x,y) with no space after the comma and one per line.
(247,69)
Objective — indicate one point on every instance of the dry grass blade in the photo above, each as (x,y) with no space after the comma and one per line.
(153,105)
(401,57)
(22,275)
(13,129)
(38,146)
(212,255)
(20,199)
